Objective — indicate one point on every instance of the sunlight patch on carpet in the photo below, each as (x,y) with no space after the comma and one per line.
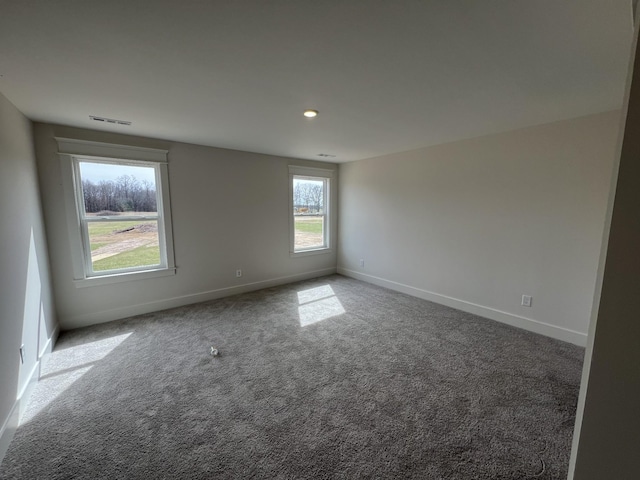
(317,304)
(63,368)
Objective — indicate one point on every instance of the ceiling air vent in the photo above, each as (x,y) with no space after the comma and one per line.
(109,120)
(326,155)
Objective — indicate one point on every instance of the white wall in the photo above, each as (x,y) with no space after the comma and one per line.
(606,441)
(230,210)
(27,313)
(477,223)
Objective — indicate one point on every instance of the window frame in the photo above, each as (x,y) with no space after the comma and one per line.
(317,174)
(85,220)
(72,152)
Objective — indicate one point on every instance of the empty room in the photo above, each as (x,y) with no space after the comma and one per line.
(319,239)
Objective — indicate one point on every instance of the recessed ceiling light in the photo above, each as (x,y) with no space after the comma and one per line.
(310,113)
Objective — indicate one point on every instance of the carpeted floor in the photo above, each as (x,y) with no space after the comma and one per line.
(327,378)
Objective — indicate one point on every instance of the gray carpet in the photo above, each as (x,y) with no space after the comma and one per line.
(394,387)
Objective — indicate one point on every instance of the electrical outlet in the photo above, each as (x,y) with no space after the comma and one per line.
(526,300)
(239,272)
(21,353)
(362,262)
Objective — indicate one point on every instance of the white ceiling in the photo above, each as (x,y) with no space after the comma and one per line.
(386,75)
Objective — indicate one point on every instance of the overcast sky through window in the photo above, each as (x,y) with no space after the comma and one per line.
(97,172)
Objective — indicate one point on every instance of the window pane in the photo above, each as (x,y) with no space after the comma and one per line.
(308,196)
(117,245)
(110,189)
(308,231)
(308,213)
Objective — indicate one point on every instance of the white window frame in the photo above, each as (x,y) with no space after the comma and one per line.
(319,174)
(72,152)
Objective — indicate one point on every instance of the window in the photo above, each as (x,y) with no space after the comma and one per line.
(119,220)
(309,204)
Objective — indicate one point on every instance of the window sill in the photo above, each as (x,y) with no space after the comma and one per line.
(123,277)
(305,253)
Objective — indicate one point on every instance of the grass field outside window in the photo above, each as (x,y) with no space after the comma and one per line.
(123,244)
(309,231)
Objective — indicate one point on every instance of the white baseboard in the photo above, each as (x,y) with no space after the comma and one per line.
(130,311)
(13,420)
(529,324)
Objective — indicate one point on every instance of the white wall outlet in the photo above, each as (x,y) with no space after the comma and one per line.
(526,300)
(239,272)
(362,262)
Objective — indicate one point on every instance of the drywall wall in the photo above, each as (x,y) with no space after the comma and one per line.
(477,223)
(27,315)
(607,435)
(230,210)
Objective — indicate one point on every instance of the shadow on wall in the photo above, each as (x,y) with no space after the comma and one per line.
(35,331)
(20,287)
(25,301)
